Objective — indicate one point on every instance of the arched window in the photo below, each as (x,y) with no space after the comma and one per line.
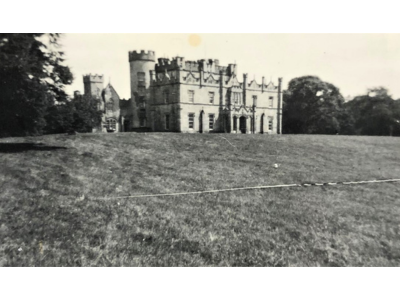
(111,124)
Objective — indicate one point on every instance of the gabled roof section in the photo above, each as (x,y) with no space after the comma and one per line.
(241,110)
(253,84)
(233,81)
(113,92)
(190,77)
(211,79)
(271,86)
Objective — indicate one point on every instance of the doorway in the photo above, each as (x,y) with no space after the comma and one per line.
(127,125)
(262,124)
(242,124)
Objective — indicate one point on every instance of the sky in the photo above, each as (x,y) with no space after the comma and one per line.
(352,62)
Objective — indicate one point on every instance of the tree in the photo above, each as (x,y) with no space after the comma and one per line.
(32,79)
(375,113)
(312,106)
(80,114)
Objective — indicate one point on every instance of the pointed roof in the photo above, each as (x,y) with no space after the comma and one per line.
(233,81)
(254,84)
(113,92)
(271,86)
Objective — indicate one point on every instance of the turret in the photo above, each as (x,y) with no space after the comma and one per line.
(141,63)
(140,66)
(142,55)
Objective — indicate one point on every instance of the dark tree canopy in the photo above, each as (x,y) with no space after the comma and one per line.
(81,114)
(32,79)
(312,106)
(375,113)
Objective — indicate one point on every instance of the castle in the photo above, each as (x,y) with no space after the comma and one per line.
(187,96)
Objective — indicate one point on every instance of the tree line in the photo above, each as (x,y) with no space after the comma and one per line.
(33,101)
(312,106)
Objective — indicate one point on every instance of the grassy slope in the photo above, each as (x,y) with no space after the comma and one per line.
(43,212)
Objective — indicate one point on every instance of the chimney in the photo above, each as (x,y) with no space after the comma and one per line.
(201,71)
(244,88)
(262,84)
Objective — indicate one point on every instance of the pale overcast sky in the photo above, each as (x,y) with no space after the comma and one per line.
(352,62)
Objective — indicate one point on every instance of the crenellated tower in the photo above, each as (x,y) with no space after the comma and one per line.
(93,85)
(141,63)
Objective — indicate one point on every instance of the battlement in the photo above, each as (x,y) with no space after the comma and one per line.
(165,64)
(164,61)
(93,78)
(191,65)
(210,65)
(142,55)
(206,65)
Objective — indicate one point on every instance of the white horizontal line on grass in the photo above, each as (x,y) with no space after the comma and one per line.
(257,187)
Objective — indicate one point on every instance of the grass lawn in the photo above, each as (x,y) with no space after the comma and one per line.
(53,210)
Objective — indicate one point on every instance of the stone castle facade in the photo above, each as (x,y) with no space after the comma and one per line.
(188,96)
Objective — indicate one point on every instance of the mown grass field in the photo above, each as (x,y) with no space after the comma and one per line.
(53,211)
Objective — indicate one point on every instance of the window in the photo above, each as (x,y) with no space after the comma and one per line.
(141,89)
(211,96)
(166,122)
(211,121)
(109,106)
(255,100)
(234,123)
(142,122)
(111,124)
(270,123)
(236,98)
(191,96)
(271,101)
(166,96)
(141,76)
(191,121)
